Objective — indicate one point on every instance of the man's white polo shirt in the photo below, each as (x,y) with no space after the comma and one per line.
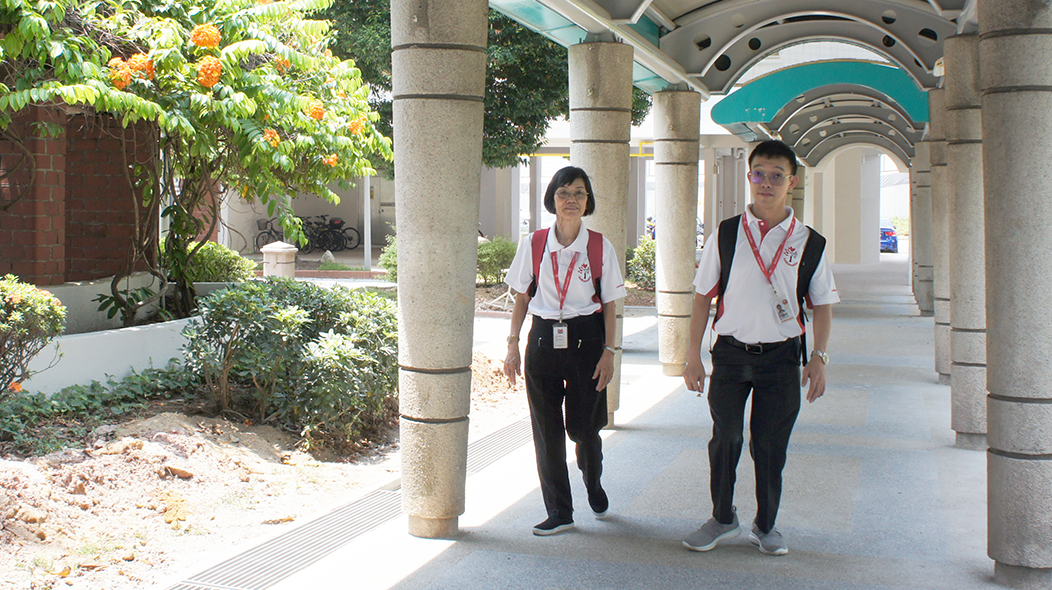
(545,302)
(748,312)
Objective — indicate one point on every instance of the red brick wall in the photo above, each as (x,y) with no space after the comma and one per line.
(100,212)
(32,232)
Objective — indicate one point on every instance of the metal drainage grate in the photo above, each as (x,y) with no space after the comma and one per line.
(269,563)
(492,447)
(279,558)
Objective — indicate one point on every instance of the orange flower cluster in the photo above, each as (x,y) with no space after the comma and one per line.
(14,298)
(15,386)
(357,125)
(331,160)
(316,110)
(270,136)
(282,64)
(121,72)
(205,36)
(208,71)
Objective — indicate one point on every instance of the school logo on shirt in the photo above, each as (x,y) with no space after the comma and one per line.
(791,256)
(584,272)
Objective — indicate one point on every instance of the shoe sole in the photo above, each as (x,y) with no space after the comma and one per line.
(728,535)
(756,541)
(553,531)
(601,515)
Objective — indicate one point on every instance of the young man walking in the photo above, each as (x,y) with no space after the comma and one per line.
(758,349)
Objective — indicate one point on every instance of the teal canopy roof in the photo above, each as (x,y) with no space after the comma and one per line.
(761,100)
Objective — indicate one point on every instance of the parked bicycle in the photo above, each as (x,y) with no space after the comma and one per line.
(267,233)
(352,239)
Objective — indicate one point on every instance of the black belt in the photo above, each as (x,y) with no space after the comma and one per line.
(758,348)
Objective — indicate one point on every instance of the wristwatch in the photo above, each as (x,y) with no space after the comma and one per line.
(822,355)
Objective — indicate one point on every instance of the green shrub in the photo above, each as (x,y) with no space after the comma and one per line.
(29,319)
(389,258)
(320,362)
(641,267)
(215,263)
(36,424)
(494,257)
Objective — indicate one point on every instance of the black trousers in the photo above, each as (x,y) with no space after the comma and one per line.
(773,377)
(558,378)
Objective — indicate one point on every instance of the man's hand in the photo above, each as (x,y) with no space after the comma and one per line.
(513,362)
(604,370)
(815,371)
(694,375)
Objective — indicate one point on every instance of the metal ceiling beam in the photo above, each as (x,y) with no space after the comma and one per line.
(702,35)
(838,93)
(817,135)
(748,50)
(834,145)
(797,127)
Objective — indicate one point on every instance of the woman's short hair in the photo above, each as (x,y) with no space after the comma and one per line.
(564,177)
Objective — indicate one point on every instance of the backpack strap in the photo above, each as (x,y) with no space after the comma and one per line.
(728,243)
(537,239)
(595,261)
(812,256)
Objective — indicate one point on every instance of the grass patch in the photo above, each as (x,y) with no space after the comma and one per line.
(338,266)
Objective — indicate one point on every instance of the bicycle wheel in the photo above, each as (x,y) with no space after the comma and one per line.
(329,239)
(265,238)
(311,243)
(353,238)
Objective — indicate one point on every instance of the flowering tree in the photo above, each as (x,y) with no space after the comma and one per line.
(239,95)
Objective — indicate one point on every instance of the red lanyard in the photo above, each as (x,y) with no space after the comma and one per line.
(756,251)
(569,272)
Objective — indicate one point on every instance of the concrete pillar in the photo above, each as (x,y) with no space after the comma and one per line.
(921,244)
(636,216)
(797,197)
(438,77)
(940,215)
(499,202)
(536,193)
(600,128)
(677,121)
(1017,114)
(857,195)
(964,151)
(279,260)
(711,191)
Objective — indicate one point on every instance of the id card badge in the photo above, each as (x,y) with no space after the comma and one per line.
(560,336)
(781,306)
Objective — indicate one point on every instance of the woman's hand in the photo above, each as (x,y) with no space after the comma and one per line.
(513,362)
(604,370)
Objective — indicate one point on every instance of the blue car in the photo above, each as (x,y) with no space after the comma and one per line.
(889,242)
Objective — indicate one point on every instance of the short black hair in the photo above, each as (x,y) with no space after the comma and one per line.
(564,177)
(773,148)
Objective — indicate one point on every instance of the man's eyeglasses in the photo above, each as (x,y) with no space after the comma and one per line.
(776,178)
(566,195)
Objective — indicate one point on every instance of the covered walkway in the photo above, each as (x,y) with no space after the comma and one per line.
(877,495)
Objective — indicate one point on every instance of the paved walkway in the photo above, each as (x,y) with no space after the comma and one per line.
(876,496)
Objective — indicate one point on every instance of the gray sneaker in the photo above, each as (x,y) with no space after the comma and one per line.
(710,534)
(770,543)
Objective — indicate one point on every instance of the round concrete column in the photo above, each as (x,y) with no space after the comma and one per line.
(600,128)
(921,231)
(964,153)
(940,213)
(439,63)
(1017,114)
(677,128)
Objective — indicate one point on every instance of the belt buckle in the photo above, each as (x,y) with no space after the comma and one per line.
(754,348)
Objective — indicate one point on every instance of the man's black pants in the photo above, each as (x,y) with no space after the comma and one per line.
(773,377)
(555,378)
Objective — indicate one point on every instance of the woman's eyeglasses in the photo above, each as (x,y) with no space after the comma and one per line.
(566,195)
(776,178)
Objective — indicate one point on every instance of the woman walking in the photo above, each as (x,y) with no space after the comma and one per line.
(569,280)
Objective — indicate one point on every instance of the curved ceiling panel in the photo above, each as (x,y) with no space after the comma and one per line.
(843,95)
(747,50)
(701,36)
(835,145)
(816,136)
(800,125)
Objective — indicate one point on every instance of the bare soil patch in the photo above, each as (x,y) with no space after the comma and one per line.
(152,498)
